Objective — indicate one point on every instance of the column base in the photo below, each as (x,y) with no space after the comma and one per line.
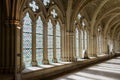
(34,63)
(95,55)
(22,66)
(45,61)
(72,59)
(55,60)
(65,59)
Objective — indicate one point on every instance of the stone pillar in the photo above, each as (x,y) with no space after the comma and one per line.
(54,44)
(62,42)
(105,46)
(45,44)
(18,58)
(71,46)
(34,61)
(93,45)
(80,44)
(102,44)
(87,50)
(9,47)
(66,54)
(89,47)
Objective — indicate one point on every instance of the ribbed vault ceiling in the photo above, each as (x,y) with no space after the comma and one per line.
(108,14)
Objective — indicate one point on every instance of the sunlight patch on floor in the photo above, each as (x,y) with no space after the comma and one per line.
(108,70)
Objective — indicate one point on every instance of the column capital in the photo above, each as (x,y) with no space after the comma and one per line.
(16,22)
(70,33)
(45,61)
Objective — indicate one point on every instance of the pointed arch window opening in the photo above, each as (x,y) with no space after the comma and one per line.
(33,6)
(50,41)
(99,41)
(77,43)
(82,39)
(58,42)
(85,39)
(39,40)
(27,40)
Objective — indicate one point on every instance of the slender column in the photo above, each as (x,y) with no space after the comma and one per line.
(34,61)
(62,42)
(21,46)
(66,56)
(105,46)
(45,44)
(54,44)
(88,45)
(94,46)
(102,44)
(81,44)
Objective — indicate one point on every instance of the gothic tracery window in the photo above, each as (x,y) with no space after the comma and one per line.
(33,35)
(84,39)
(50,41)
(27,40)
(39,40)
(99,41)
(58,41)
(77,43)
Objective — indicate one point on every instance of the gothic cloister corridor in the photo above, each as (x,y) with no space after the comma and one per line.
(107,70)
(59,39)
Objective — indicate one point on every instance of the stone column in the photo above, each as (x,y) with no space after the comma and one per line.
(18,58)
(105,46)
(45,44)
(102,45)
(54,44)
(88,45)
(62,42)
(71,47)
(80,44)
(93,45)
(34,61)
(9,53)
(66,54)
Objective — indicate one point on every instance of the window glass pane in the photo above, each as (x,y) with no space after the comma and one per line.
(58,52)
(50,55)
(85,40)
(50,41)
(39,56)
(58,42)
(77,43)
(27,40)
(39,40)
